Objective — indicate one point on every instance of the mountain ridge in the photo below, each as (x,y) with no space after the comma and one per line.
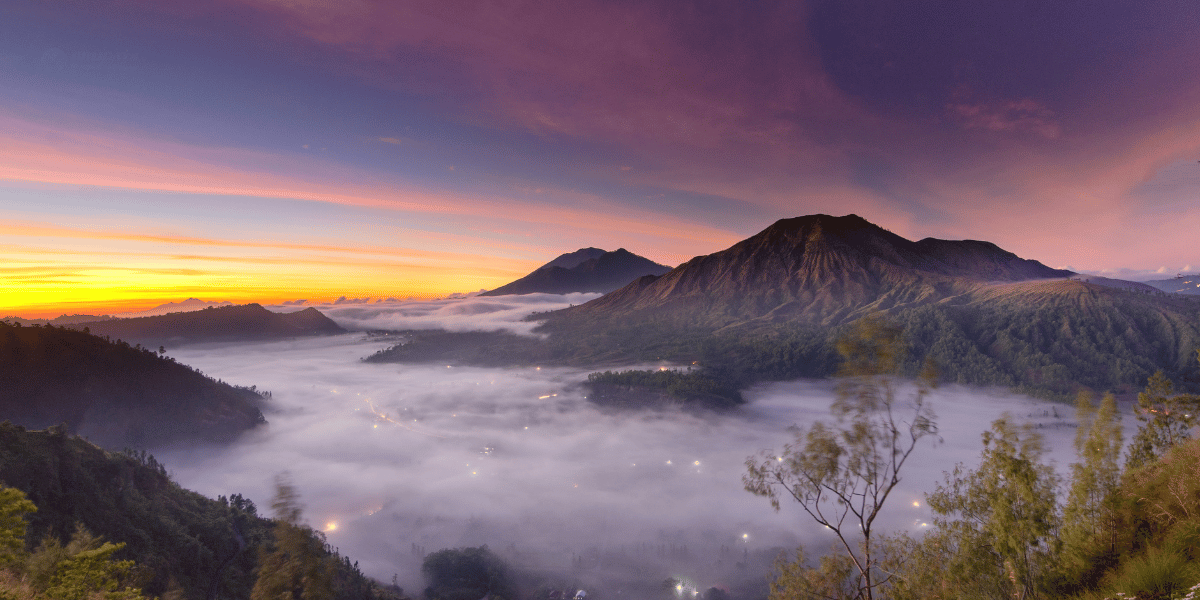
(819,269)
(243,322)
(772,307)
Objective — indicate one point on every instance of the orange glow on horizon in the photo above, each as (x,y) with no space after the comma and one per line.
(102,306)
(48,269)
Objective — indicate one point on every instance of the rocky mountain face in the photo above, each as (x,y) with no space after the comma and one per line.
(818,269)
(772,307)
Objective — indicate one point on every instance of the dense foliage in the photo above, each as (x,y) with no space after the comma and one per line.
(689,387)
(83,569)
(182,542)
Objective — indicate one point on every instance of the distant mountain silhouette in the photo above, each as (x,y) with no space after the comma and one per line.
(115,394)
(246,322)
(585,270)
(816,269)
(172,307)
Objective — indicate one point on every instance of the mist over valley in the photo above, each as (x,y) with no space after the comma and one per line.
(396,461)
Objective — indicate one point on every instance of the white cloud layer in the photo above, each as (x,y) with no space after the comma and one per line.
(473,313)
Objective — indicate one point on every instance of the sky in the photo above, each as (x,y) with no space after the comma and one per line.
(266,150)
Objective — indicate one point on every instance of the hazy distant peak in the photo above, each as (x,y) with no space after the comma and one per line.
(215,323)
(590,270)
(172,307)
(571,260)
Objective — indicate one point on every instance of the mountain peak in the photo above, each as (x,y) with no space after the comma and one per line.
(821,268)
(571,260)
(589,270)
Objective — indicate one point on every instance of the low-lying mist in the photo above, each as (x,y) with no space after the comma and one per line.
(474,313)
(395,461)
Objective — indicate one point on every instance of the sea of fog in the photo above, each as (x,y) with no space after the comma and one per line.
(394,461)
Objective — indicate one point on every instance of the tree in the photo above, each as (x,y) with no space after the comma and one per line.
(92,572)
(833,577)
(997,523)
(1167,419)
(1090,514)
(296,567)
(13,508)
(84,569)
(841,476)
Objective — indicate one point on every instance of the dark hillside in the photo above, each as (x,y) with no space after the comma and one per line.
(114,394)
(208,548)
